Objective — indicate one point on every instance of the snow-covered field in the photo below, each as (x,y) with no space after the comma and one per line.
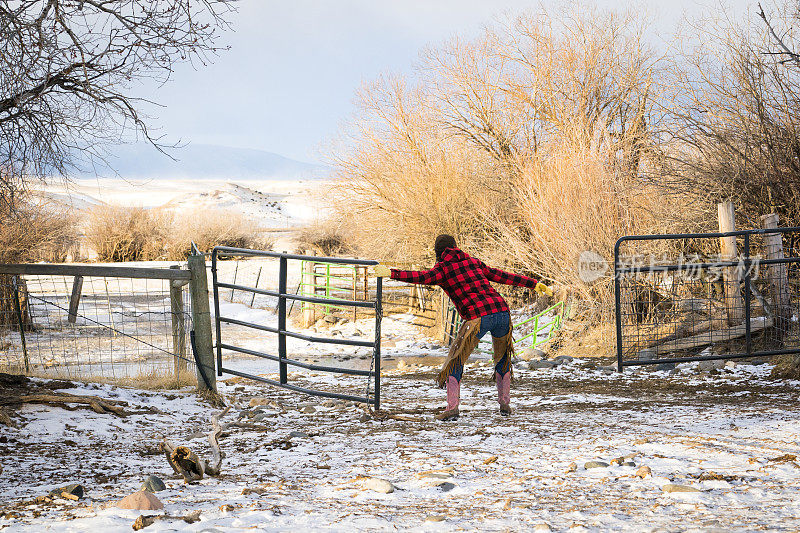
(272,202)
(300,463)
(277,205)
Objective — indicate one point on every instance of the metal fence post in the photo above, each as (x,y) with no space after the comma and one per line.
(617,305)
(282,319)
(377,349)
(217,323)
(747,271)
(201,319)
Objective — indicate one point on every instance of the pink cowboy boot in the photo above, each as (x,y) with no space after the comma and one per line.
(453,396)
(503,392)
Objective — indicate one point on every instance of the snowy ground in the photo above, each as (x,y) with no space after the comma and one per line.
(278,205)
(298,463)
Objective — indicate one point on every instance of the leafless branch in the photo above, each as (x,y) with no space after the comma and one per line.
(67,68)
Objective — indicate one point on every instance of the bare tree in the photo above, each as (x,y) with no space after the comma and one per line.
(787,51)
(736,133)
(67,68)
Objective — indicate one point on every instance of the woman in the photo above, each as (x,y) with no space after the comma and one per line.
(466,281)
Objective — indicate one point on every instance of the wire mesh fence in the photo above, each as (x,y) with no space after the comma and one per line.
(742,300)
(82,324)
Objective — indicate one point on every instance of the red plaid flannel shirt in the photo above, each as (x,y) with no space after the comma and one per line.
(466,281)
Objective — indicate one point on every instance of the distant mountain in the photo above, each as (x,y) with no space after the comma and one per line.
(202,161)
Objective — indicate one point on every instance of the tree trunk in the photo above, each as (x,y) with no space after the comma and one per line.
(10,313)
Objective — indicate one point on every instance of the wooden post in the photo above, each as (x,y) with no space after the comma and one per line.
(74,299)
(732,275)
(180,363)
(21,323)
(110,310)
(309,309)
(201,317)
(778,275)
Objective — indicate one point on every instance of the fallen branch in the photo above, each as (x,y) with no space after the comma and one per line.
(212,468)
(147,520)
(187,464)
(385,415)
(98,405)
(184,461)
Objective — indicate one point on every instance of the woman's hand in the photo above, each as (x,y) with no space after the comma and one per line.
(541,289)
(382,271)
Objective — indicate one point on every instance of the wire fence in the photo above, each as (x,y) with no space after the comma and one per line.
(699,304)
(91,326)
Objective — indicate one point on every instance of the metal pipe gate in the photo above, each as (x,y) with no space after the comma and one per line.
(700,307)
(282,332)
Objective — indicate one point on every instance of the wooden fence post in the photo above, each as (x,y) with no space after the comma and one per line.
(778,275)
(180,362)
(74,299)
(201,318)
(412,295)
(731,275)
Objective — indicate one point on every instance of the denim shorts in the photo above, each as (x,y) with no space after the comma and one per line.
(497,323)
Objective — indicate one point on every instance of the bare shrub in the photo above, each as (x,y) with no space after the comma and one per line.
(404,178)
(118,233)
(325,238)
(214,227)
(736,118)
(32,230)
(572,198)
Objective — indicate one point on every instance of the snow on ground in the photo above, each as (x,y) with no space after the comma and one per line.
(272,203)
(299,463)
(277,205)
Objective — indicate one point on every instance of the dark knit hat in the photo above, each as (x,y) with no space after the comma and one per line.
(443,242)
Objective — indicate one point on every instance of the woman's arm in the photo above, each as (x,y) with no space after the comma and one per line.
(433,276)
(508,278)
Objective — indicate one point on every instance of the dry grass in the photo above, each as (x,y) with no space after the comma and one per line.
(325,239)
(160,380)
(154,380)
(787,366)
(215,227)
(118,233)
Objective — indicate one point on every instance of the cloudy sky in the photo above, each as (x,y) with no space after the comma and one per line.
(290,76)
